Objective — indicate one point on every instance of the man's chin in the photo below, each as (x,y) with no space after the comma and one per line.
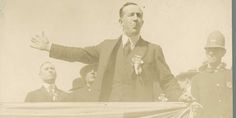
(134,32)
(91,80)
(214,62)
(50,81)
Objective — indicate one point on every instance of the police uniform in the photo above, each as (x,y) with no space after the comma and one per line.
(212,87)
(213,90)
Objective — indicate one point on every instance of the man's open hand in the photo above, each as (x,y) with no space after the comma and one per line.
(40,42)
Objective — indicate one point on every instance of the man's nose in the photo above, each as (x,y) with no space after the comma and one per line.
(51,70)
(92,71)
(211,53)
(135,17)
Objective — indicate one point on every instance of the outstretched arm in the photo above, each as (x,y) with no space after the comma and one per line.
(86,55)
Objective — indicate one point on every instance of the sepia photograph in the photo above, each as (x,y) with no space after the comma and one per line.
(116,59)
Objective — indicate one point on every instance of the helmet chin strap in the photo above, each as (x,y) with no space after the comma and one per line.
(215,64)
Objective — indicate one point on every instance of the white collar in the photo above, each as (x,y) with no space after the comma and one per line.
(125,39)
(47,86)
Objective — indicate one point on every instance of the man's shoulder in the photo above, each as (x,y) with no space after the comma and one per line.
(33,95)
(79,92)
(35,92)
(151,44)
(107,41)
(61,91)
(204,73)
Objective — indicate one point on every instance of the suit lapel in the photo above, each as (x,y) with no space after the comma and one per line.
(109,52)
(44,93)
(141,48)
(105,83)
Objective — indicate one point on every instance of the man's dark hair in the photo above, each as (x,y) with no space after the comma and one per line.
(126,4)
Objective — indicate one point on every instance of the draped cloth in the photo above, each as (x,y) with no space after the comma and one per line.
(192,110)
(99,110)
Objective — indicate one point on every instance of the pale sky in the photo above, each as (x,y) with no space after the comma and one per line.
(180,27)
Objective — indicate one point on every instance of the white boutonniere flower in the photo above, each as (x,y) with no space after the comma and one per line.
(162,98)
(137,64)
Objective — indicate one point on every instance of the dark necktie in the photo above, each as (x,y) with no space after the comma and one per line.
(127,48)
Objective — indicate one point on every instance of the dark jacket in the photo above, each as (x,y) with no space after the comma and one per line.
(42,95)
(213,90)
(154,68)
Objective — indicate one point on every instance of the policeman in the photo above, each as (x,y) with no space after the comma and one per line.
(212,86)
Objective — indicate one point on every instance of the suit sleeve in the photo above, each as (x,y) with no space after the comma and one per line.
(167,81)
(164,73)
(88,55)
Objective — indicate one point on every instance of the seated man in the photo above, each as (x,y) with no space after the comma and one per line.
(87,92)
(48,92)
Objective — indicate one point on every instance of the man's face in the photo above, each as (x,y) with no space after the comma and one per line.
(48,73)
(214,55)
(91,76)
(132,20)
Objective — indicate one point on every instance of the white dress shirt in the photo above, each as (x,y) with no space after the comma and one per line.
(133,42)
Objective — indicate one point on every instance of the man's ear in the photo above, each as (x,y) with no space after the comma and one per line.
(223,52)
(120,21)
(40,73)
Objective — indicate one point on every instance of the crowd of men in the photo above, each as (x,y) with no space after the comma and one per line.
(131,69)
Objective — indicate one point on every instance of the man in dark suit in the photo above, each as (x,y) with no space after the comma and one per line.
(87,92)
(127,66)
(77,83)
(48,92)
(212,86)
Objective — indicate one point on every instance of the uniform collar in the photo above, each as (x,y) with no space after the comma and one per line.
(133,42)
(221,66)
(207,67)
